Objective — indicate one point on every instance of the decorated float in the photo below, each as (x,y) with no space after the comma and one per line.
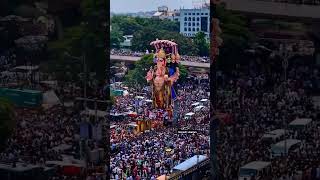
(163,75)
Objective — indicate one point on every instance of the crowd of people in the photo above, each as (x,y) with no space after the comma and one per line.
(151,154)
(260,101)
(122,52)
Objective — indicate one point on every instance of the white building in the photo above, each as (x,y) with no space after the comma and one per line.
(164,13)
(127,41)
(193,21)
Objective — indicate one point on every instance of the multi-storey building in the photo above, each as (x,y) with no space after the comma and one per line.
(195,20)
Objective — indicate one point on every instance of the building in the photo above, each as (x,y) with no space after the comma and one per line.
(164,13)
(195,20)
(127,43)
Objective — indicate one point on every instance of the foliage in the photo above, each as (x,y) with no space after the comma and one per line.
(201,43)
(87,38)
(7,121)
(116,36)
(136,77)
(236,38)
(146,30)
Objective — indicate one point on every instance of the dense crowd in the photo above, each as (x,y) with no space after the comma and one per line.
(258,102)
(121,52)
(154,153)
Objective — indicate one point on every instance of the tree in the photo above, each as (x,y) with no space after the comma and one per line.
(236,38)
(136,77)
(142,38)
(128,25)
(116,36)
(201,43)
(7,121)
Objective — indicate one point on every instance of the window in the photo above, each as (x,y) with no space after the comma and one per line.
(193,24)
(189,23)
(185,13)
(185,29)
(201,13)
(193,19)
(189,29)
(193,14)
(198,14)
(189,18)
(197,29)
(198,19)
(193,29)
(185,23)
(185,19)
(189,13)
(198,24)
(206,13)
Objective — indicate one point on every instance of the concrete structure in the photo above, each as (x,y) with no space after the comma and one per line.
(164,13)
(133,59)
(193,21)
(274,9)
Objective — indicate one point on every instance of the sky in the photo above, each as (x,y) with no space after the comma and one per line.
(128,6)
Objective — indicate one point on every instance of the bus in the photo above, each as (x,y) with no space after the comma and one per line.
(256,169)
(284,147)
(193,168)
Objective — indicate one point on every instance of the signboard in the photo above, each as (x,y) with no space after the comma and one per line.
(22,97)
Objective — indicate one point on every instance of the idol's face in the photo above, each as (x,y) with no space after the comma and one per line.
(160,62)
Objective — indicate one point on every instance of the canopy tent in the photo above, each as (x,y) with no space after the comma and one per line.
(195,104)
(90,112)
(139,97)
(49,83)
(189,114)
(252,168)
(64,163)
(125,93)
(275,134)
(256,165)
(148,100)
(198,108)
(116,114)
(26,68)
(189,163)
(300,122)
(132,124)
(285,145)
(113,126)
(50,99)
(203,100)
(62,147)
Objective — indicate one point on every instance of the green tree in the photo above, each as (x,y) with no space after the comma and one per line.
(142,38)
(128,25)
(186,45)
(236,38)
(7,121)
(116,36)
(202,44)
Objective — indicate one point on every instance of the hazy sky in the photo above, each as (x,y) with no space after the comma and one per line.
(125,6)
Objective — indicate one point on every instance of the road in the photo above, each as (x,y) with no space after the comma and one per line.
(133,59)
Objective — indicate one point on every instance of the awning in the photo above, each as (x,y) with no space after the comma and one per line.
(195,104)
(190,114)
(50,99)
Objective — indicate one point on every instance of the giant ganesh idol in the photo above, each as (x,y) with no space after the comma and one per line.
(164,74)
